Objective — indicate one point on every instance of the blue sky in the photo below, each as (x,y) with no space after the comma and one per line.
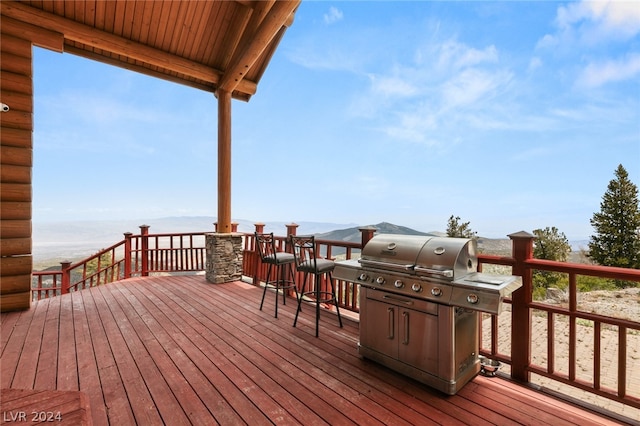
(511,115)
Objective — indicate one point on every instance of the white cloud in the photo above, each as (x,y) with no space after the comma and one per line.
(425,101)
(334,15)
(598,74)
(392,86)
(595,22)
(535,63)
(473,85)
(453,56)
(619,17)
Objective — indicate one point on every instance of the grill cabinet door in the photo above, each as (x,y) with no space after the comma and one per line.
(390,327)
(378,330)
(418,339)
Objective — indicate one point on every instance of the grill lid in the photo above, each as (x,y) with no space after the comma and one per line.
(448,258)
(438,257)
(393,252)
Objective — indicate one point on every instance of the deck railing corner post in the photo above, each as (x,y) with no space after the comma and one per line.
(65,283)
(292,229)
(144,233)
(366,234)
(522,251)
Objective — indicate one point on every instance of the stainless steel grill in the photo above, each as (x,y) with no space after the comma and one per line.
(419,303)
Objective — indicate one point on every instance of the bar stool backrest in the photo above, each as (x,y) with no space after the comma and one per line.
(266,247)
(304,250)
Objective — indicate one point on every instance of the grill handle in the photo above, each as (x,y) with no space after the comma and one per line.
(391,314)
(386,265)
(448,273)
(405,315)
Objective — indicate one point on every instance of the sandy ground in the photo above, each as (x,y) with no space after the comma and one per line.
(623,304)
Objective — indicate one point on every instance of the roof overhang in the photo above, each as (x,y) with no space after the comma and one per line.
(210,45)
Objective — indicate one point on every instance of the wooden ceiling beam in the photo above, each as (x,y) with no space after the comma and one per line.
(279,15)
(39,36)
(117,45)
(142,70)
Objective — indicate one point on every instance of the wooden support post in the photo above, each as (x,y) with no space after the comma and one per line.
(521,314)
(292,229)
(66,277)
(144,255)
(366,233)
(127,255)
(224,161)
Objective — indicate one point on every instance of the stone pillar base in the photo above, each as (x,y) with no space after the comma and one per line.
(224,257)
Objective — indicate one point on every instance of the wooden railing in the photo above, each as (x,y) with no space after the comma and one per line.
(347,292)
(136,255)
(141,255)
(523,308)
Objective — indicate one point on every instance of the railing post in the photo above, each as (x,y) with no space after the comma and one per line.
(366,233)
(292,229)
(66,277)
(259,227)
(127,254)
(234,226)
(144,246)
(522,250)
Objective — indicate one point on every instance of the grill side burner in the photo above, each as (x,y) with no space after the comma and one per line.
(419,303)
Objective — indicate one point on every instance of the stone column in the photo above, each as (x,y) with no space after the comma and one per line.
(224,257)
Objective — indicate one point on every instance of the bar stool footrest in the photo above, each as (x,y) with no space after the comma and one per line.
(325,297)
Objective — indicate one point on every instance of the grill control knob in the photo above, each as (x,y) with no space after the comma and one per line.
(436,291)
(416,287)
(398,284)
(380,280)
(363,277)
(473,298)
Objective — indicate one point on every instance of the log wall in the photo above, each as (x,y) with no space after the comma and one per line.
(16,158)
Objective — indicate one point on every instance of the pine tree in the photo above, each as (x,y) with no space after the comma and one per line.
(459,230)
(550,244)
(617,225)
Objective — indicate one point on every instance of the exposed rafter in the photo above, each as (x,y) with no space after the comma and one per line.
(256,34)
(254,43)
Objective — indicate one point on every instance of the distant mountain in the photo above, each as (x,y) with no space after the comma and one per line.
(353,234)
(497,246)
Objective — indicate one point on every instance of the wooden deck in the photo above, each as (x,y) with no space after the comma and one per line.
(177,350)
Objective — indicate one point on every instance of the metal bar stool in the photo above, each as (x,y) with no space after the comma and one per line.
(307,261)
(281,260)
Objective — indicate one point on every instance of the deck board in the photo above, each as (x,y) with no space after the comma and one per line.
(177,350)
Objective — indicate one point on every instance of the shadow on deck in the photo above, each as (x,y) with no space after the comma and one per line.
(178,350)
